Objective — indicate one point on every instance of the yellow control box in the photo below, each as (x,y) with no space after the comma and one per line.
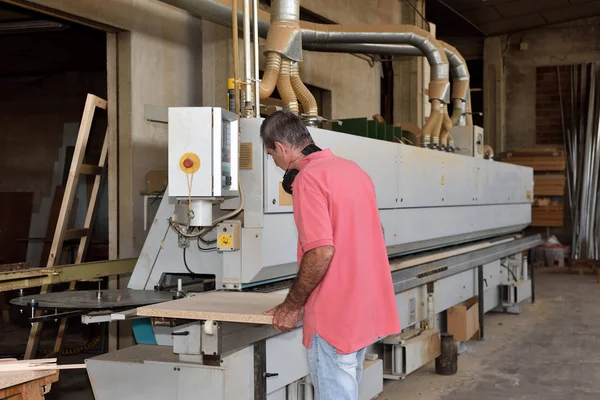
(229,235)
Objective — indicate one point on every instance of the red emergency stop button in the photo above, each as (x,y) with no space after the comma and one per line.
(188,163)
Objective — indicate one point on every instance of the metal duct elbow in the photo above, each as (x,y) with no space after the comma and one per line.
(284,34)
(446,127)
(271,75)
(284,86)
(308,101)
(460,81)
(393,34)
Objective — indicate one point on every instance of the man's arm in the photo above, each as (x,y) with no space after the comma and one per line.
(313,268)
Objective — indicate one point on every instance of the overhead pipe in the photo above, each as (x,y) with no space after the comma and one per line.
(247,58)
(256,58)
(458,67)
(292,34)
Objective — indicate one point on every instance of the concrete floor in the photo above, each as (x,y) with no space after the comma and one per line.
(548,352)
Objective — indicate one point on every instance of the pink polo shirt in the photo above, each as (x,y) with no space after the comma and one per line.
(335,205)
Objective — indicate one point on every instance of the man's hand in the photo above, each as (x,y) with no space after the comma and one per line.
(284,318)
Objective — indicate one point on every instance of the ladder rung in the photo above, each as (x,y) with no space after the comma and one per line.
(75,233)
(88,169)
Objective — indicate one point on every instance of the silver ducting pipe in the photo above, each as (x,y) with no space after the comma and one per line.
(219,12)
(286,10)
(423,40)
(458,66)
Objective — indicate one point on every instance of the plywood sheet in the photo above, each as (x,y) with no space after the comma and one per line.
(8,379)
(218,306)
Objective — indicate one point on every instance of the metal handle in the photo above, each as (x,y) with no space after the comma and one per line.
(184,333)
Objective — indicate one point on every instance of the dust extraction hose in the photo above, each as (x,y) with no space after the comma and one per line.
(271,75)
(284,86)
(309,104)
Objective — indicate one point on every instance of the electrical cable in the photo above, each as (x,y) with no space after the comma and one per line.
(510,270)
(186,266)
(420,15)
(209,249)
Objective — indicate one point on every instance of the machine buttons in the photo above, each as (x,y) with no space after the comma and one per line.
(189,163)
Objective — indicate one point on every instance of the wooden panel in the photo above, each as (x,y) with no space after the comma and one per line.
(539,163)
(218,306)
(15,217)
(549,185)
(551,216)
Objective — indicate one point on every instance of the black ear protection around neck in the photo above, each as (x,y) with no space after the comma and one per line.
(290,174)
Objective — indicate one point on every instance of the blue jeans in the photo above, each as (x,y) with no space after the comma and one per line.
(335,376)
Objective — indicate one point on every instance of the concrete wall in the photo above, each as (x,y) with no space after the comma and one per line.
(167,57)
(159,52)
(514,75)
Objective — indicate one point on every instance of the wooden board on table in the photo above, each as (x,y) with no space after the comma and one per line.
(12,379)
(418,260)
(241,307)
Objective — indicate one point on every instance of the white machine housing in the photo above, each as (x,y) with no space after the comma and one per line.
(468,140)
(427,199)
(208,138)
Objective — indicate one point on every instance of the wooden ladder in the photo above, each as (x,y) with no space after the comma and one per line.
(62,233)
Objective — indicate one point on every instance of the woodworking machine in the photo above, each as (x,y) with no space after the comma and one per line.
(452,227)
(452,221)
(452,224)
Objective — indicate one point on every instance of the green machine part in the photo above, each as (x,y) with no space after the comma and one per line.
(368,128)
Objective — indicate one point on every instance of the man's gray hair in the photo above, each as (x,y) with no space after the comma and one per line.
(285,127)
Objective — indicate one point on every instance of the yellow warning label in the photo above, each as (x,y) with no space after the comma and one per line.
(225,240)
(246,160)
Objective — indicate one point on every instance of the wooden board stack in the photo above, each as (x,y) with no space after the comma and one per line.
(549,166)
(547,159)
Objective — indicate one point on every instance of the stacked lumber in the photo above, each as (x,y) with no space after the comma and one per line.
(549,184)
(549,165)
(44,364)
(547,216)
(549,159)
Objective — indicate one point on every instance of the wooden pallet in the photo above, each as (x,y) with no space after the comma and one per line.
(549,185)
(549,216)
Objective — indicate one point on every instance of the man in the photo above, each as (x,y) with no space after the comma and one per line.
(344,282)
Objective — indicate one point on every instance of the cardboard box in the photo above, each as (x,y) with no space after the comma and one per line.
(463,320)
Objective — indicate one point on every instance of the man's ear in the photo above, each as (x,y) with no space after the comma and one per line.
(279,148)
